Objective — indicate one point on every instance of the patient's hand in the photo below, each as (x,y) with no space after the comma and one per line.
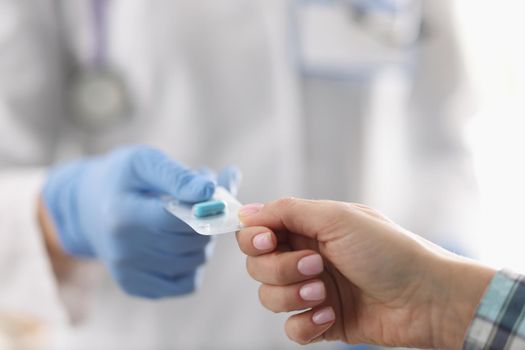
(360,277)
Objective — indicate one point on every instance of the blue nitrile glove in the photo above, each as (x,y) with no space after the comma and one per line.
(229,178)
(109,207)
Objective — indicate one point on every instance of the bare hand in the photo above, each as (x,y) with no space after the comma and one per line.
(360,277)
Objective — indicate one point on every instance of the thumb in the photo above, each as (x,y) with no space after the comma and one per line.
(309,218)
(155,171)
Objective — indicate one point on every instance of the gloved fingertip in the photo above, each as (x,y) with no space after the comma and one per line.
(198,190)
(230,178)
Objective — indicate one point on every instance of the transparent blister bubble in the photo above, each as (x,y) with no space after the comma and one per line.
(227,222)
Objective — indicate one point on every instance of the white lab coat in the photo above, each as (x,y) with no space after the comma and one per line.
(393,139)
(213,83)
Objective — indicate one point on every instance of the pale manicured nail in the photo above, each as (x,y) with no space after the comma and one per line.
(250,209)
(263,241)
(313,291)
(310,265)
(323,316)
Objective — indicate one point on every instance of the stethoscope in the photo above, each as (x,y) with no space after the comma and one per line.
(377,20)
(99,98)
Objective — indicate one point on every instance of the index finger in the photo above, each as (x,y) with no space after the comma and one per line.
(301,216)
(155,170)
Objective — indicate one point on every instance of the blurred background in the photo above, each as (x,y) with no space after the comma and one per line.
(414,107)
(494,57)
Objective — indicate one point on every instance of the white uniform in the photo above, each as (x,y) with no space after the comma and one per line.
(212,83)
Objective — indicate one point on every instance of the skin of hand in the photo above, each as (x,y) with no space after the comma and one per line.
(357,277)
(62,263)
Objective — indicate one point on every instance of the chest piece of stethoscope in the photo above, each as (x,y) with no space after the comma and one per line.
(98,95)
(99,99)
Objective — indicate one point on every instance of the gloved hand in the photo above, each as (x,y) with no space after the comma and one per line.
(109,207)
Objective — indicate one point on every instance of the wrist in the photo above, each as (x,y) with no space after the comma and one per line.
(61,262)
(460,287)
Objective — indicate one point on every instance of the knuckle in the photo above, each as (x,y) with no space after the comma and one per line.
(269,300)
(294,333)
(285,202)
(337,209)
(183,178)
(280,273)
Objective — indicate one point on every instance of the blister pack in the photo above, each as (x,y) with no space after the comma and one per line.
(214,217)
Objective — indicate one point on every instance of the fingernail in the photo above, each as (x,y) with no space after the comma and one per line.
(310,265)
(323,316)
(250,209)
(263,241)
(313,291)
